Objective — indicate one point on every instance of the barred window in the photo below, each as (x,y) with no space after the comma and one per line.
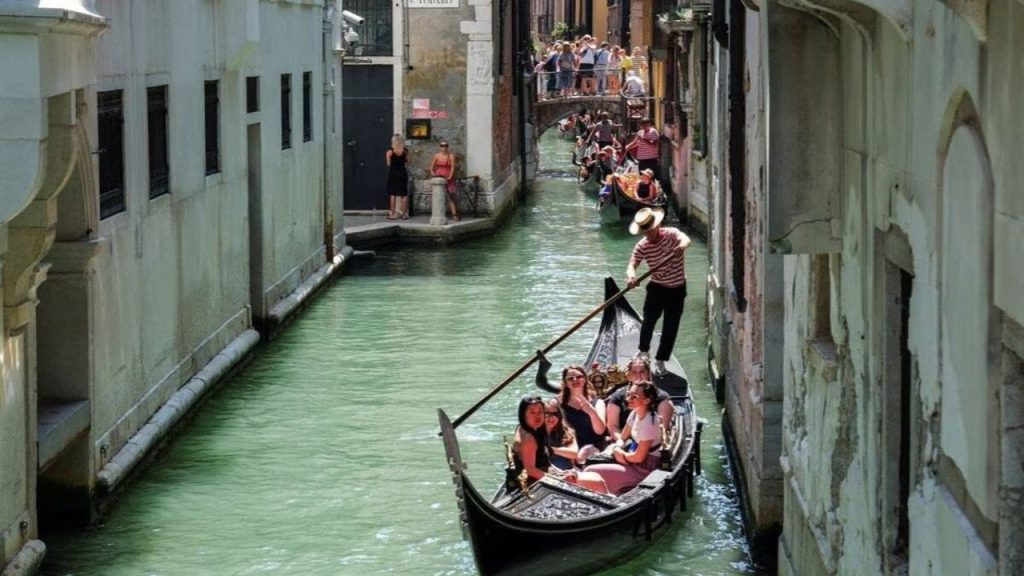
(159,171)
(110,128)
(375,35)
(212,127)
(307,106)
(286,111)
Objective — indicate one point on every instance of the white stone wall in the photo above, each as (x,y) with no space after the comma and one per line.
(173,289)
(928,133)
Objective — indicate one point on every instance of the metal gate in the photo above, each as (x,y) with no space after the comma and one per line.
(367,123)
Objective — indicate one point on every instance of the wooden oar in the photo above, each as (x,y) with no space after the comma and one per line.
(551,346)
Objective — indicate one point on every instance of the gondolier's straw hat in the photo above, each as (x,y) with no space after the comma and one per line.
(646,219)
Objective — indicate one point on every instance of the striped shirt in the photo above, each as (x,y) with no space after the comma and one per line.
(672,274)
(647,144)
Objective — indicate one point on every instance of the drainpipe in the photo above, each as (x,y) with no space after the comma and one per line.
(328,122)
(518,22)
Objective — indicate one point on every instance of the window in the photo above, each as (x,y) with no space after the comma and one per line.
(375,35)
(821,298)
(212,128)
(307,106)
(286,111)
(110,128)
(252,94)
(156,106)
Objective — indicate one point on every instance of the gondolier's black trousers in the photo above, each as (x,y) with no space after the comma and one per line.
(661,299)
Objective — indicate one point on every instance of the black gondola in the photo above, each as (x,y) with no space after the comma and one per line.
(555,527)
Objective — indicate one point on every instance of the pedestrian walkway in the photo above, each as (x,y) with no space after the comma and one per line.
(366,229)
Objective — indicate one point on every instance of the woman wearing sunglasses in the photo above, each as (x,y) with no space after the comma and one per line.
(633,464)
(443,166)
(617,407)
(561,436)
(583,410)
(530,448)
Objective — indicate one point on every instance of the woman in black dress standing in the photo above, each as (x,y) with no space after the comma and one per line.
(398,179)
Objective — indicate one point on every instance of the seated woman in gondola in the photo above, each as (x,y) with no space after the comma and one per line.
(647,188)
(561,436)
(583,410)
(530,449)
(637,453)
(617,407)
(606,191)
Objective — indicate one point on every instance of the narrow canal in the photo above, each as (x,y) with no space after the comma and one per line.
(321,457)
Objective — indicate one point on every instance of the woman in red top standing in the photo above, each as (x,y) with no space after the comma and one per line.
(443,166)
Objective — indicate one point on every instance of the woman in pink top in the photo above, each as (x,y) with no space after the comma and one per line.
(443,166)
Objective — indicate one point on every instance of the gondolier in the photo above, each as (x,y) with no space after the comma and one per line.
(664,251)
(645,147)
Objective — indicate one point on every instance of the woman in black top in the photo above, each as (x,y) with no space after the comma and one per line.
(646,188)
(530,450)
(398,179)
(583,410)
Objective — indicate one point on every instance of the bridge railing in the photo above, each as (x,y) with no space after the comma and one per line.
(574,84)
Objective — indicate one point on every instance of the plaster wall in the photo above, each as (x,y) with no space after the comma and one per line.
(925,118)
(292,190)
(172,285)
(438,57)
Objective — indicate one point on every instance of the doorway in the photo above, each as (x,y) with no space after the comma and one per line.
(367,120)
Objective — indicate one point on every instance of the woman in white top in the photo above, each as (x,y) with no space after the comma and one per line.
(637,454)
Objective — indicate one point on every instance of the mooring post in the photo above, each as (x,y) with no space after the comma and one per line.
(437,186)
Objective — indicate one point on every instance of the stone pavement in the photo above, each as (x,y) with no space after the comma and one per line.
(367,229)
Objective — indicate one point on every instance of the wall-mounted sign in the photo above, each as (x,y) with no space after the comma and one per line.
(432,3)
(417,129)
(421,109)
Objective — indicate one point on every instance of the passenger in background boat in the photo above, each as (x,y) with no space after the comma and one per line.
(605,164)
(588,165)
(647,188)
(632,463)
(567,125)
(561,436)
(617,408)
(606,191)
(583,410)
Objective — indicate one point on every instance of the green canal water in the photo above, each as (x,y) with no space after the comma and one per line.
(321,456)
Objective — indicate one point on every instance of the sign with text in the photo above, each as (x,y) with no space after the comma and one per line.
(432,3)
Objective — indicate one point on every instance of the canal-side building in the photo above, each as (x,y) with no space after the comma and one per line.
(726,116)
(867,305)
(169,180)
(431,71)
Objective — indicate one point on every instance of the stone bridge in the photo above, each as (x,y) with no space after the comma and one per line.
(548,112)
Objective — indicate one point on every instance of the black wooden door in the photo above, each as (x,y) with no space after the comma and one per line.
(367,122)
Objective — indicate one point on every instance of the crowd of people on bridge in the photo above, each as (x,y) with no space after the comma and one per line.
(586,67)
